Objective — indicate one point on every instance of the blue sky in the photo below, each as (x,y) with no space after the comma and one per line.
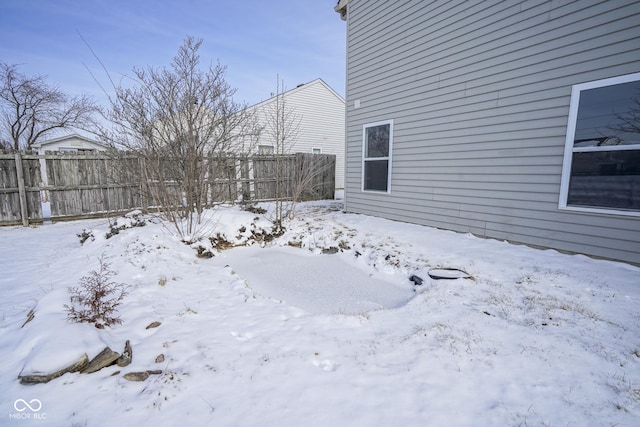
(255,39)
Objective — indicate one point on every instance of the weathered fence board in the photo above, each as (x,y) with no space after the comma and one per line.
(11,209)
(223,179)
(79,185)
(315,175)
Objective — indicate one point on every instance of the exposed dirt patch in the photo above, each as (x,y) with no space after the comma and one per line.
(255,210)
(220,242)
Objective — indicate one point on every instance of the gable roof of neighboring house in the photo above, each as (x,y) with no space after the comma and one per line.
(299,88)
(75,141)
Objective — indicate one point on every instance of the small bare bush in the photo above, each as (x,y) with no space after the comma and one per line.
(97,298)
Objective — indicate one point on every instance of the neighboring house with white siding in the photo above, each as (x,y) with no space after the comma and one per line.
(514,120)
(318,113)
(69,143)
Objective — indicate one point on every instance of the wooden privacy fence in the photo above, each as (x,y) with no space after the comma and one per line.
(19,188)
(64,186)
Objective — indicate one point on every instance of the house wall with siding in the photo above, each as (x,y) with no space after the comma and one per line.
(479,92)
(320,113)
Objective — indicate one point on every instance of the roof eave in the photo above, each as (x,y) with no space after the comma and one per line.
(341,8)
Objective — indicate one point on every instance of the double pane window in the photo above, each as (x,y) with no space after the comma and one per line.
(602,155)
(376,167)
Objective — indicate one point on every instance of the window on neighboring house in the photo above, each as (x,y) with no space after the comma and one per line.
(601,170)
(316,150)
(76,150)
(376,156)
(265,149)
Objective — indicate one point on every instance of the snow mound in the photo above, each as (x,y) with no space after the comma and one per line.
(319,284)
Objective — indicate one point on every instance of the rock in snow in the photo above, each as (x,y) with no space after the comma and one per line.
(106,357)
(127,355)
(140,376)
(45,378)
(417,280)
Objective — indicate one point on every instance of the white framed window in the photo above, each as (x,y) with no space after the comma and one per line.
(264,149)
(601,168)
(377,144)
(316,150)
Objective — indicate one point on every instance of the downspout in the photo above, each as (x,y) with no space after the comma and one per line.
(343,10)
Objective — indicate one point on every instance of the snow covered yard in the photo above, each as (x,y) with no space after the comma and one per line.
(286,335)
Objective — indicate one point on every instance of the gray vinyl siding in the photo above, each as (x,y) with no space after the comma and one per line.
(479,92)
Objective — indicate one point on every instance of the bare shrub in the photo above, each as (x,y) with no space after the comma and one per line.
(174,120)
(97,298)
(282,126)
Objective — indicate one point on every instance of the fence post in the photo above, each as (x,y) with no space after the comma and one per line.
(24,213)
(144,182)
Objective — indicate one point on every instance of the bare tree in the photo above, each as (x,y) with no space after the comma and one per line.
(32,108)
(282,126)
(629,121)
(174,118)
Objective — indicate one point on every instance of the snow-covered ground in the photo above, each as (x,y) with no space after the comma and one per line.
(286,333)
